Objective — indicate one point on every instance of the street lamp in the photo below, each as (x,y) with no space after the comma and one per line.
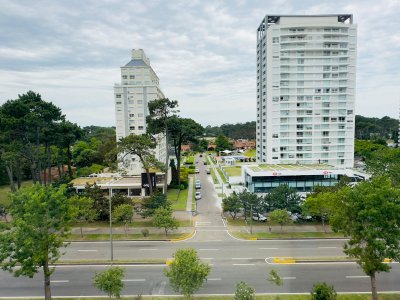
(251,218)
(111,232)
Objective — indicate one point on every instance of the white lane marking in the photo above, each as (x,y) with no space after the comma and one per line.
(213,279)
(152,249)
(288,278)
(208,249)
(83,250)
(210,229)
(243,264)
(328,247)
(208,226)
(133,280)
(358,276)
(241,258)
(207,258)
(268,248)
(201,222)
(59,281)
(223,221)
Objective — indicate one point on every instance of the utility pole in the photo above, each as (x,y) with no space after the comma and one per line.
(111,232)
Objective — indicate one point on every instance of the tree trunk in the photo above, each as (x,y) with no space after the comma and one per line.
(166,231)
(59,171)
(81,231)
(10,176)
(166,160)
(34,175)
(149,182)
(18,172)
(46,272)
(373,287)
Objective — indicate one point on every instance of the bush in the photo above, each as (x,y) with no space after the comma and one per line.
(192,167)
(322,291)
(145,232)
(244,291)
(182,187)
(185,184)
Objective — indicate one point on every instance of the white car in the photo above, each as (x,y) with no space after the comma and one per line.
(259,217)
(197,171)
(197,196)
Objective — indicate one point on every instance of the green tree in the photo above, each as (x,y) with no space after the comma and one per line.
(386,162)
(223,143)
(150,204)
(84,210)
(280,216)
(244,292)
(100,201)
(186,272)
(40,224)
(369,215)
(163,218)
(203,145)
(160,112)
(275,278)
(251,203)
(182,130)
(110,281)
(232,205)
(283,197)
(320,205)
(142,146)
(123,213)
(322,291)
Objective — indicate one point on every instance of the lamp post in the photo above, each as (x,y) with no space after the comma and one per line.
(251,218)
(111,232)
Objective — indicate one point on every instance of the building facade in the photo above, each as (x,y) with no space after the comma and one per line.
(306,69)
(139,85)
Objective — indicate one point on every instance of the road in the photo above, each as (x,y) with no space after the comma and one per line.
(231,260)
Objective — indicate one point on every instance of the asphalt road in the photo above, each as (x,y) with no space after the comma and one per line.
(231,260)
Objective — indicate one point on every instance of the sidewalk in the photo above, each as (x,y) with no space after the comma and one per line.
(225,190)
(190,194)
(130,230)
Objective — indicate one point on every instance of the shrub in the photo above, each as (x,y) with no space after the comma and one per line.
(192,167)
(182,187)
(145,232)
(322,291)
(244,291)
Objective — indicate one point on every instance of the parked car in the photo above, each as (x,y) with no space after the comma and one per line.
(259,217)
(198,185)
(204,163)
(197,171)
(208,171)
(197,196)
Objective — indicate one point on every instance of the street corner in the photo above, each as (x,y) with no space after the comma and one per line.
(184,238)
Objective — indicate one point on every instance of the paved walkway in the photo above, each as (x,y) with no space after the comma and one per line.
(190,194)
(223,187)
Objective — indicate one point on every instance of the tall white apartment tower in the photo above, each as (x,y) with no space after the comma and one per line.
(139,85)
(306,71)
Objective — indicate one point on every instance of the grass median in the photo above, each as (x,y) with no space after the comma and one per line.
(126,237)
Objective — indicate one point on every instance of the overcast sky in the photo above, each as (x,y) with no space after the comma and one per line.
(203,52)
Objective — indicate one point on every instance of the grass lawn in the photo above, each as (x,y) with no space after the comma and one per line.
(233,171)
(283,235)
(178,198)
(214,177)
(250,153)
(222,175)
(121,237)
(5,189)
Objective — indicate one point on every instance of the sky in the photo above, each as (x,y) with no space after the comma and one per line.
(203,51)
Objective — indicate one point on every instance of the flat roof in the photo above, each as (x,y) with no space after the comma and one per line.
(287,167)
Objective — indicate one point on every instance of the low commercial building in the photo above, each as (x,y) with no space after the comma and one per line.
(113,183)
(304,178)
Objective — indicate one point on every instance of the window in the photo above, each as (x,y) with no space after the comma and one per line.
(131,76)
(275,40)
(131,115)
(140,127)
(124,76)
(131,127)
(118,96)
(275,135)
(119,102)
(140,101)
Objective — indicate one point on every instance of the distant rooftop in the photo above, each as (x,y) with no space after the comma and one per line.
(136,63)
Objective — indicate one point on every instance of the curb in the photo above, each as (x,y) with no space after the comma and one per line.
(183,238)
(290,239)
(98,263)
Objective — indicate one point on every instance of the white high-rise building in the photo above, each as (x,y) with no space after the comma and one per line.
(306,71)
(139,85)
